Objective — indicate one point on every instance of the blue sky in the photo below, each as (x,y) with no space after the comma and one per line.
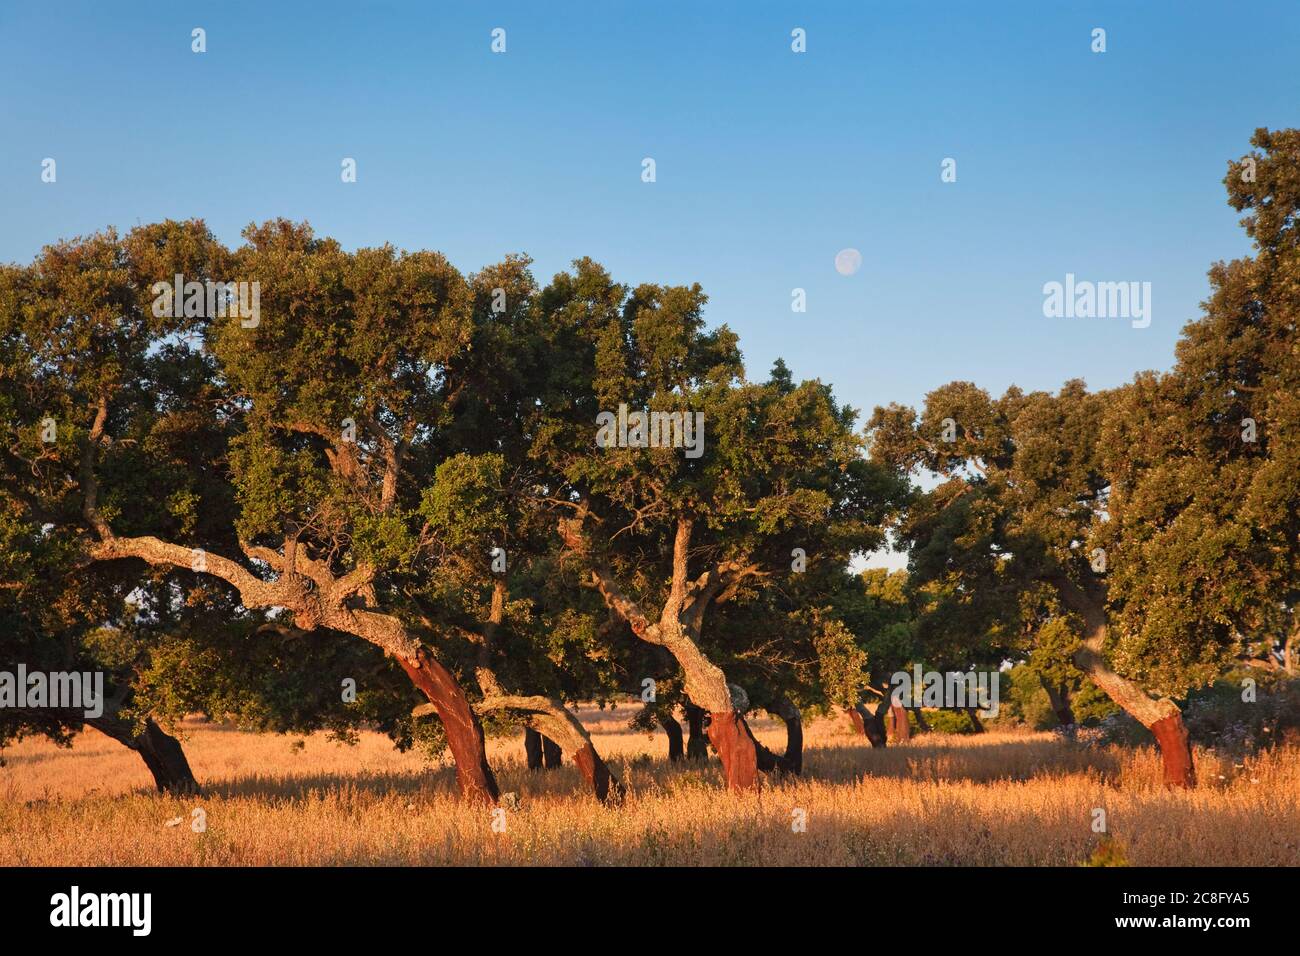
(768,162)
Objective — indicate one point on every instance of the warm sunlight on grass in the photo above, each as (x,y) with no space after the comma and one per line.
(999,798)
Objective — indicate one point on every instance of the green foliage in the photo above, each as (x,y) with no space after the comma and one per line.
(841,661)
(949,722)
(1223,717)
(464,505)
(1025,701)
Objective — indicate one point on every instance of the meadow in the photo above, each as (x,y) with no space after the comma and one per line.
(1000,798)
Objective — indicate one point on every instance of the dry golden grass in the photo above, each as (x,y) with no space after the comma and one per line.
(1001,798)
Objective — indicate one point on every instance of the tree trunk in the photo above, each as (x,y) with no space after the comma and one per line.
(555,725)
(731,738)
(552,755)
(873,723)
(697,744)
(921,722)
(767,761)
(706,686)
(674,731)
(604,784)
(559,731)
(792,760)
(901,728)
(1059,696)
(323,608)
(972,714)
(1175,750)
(856,718)
(533,748)
(461,724)
(677,631)
(1162,717)
(161,752)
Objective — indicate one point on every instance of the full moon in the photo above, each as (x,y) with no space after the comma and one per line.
(848,261)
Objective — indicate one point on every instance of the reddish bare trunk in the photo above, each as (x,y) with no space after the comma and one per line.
(1175,751)
(1161,716)
(856,718)
(464,732)
(902,730)
(731,738)
(603,784)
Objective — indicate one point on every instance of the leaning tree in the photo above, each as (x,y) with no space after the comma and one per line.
(1205,518)
(283,474)
(666,522)
(1026,502)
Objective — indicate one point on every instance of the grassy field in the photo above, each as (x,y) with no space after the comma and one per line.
(999,798)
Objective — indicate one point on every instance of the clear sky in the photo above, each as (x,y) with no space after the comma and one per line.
(1106,165)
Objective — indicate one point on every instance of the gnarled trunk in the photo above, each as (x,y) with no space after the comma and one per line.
(697,744)
(461,724)
(604,784)
(1161,716)
(562,732)
(533,748)
(160,751)
(318,598)
(554,723)
(972,714)
(674,731)
(677,631)
(566,733)
(707,686)
(558,730)
(552,755)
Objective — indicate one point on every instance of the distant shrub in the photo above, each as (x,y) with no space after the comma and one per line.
(948,722)
(1024,701)
(1219,718)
